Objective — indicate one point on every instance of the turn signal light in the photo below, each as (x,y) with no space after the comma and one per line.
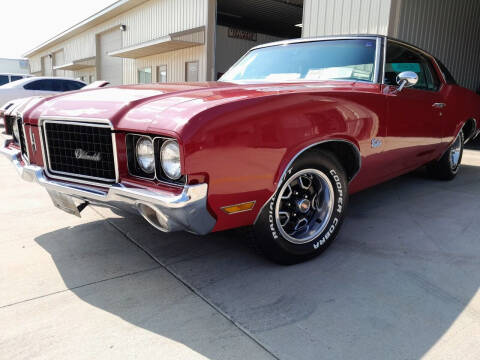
(233,209)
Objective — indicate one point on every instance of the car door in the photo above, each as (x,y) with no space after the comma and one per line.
(415,119)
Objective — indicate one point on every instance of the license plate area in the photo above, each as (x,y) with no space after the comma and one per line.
(64,202)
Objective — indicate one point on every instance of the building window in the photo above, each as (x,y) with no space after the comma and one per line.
(191,71)
(162,73)
(145,75)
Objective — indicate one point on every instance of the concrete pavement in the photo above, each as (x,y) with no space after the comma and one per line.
(400,282)
(79,289)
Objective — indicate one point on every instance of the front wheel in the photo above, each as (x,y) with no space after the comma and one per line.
(447,167)
(307,211)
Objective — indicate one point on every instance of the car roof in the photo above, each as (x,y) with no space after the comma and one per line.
(339,37)
(15,74)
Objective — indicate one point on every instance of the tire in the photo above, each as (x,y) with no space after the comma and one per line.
(449,164)
(307,211)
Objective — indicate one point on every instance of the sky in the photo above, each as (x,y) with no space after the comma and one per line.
(26,24)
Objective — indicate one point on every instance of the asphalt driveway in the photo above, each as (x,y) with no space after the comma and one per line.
(400,282)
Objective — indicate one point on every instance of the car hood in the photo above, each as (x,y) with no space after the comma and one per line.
(163,107)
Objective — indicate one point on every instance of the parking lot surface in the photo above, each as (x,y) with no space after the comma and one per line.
(400,282)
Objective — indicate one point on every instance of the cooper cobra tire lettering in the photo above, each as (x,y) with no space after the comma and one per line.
(325,237)
(271,219)
(339,209)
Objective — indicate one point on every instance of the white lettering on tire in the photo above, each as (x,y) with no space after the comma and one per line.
(339,209)
(270,219)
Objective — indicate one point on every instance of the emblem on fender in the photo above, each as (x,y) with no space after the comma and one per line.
(376,143)
(85,155)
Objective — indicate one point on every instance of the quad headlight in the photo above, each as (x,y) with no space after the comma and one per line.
(145,155)
(170,159)
(16,131)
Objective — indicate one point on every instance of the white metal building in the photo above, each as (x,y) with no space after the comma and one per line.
(14,66)
(138,41)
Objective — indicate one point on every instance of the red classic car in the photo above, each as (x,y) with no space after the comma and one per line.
(278,144)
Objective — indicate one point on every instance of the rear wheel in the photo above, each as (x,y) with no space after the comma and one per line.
(306,213)
(447,167)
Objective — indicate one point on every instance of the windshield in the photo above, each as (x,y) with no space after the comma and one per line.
(317,60)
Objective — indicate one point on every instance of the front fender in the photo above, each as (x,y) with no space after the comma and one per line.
(244,148)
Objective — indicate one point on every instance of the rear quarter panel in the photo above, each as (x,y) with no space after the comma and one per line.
(462,105)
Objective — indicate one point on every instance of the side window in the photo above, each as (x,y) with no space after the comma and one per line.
(42,85)
(69,85)
(77,85)
(58,85)
(15,77)
(401,58)
(3,79)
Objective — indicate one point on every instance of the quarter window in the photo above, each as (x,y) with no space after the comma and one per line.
(15,77)
(401,58)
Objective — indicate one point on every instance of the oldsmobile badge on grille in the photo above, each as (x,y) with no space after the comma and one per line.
(85,155)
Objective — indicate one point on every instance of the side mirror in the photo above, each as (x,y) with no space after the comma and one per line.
(406,79)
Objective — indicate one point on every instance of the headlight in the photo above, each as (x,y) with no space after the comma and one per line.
(145,155)
(170,159)
(16,132)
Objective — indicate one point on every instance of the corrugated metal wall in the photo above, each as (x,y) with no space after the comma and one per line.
(148,21)
(229,50)
(175,61)
(337,17)
(448,29)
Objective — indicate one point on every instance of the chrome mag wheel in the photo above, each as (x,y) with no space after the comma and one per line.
(455,152)
(304,206)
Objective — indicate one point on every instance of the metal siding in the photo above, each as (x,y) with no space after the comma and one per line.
(337,17)
(110,68)
(148,21)
(449,30)
(175,61)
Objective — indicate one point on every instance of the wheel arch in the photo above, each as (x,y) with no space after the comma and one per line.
(347,152)
(344,149)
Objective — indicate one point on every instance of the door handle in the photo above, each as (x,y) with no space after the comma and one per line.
(439,105)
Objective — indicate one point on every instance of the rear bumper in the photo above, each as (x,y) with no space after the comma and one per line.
(166,211)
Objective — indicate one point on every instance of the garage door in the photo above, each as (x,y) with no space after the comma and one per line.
(110,68)
(47,69)
(58,59)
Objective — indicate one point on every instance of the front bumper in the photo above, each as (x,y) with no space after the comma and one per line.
(166,211)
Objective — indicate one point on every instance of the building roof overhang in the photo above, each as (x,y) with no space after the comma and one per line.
(171,42)
(77,64)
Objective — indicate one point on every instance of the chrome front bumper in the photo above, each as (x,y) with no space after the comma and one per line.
(166,211)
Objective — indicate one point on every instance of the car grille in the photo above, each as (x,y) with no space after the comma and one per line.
(23,141)
(80,150)
(9,123)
